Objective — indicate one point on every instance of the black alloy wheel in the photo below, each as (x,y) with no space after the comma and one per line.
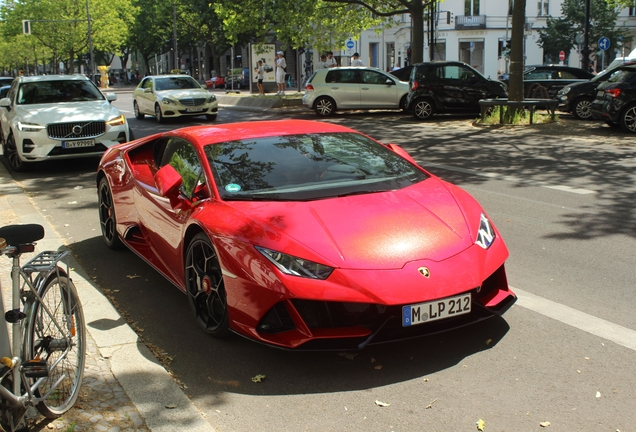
(583,108)
(205,287)
(10,152)
(325,106)
(158,114)
(138,114)
(423,109)
(107,219)
(628,119)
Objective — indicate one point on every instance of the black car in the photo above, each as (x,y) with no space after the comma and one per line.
(6,81)
(448,86)
(544,81)
(615,101)
(402,74)
(577,98)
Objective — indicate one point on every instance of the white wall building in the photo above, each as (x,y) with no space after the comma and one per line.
(476,35)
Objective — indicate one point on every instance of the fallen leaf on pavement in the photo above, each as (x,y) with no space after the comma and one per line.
(431,404)
(258,378)
(489,341)
(349,356)
(598,395)
(171,406)
(381,404)
(378,367)
(481,424)
(132,276)
(544,424)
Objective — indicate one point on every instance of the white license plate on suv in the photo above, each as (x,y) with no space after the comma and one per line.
(194,109)
(435,310)
(78,143)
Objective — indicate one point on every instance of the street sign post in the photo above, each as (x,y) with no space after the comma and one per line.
(562,56)
(604,43)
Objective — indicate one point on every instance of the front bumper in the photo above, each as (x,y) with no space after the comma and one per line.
(178,110)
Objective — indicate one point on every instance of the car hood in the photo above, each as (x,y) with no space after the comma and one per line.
(65,112)
(184,93)
(375,231)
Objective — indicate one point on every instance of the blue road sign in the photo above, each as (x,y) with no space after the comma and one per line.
(604,43)
(350,44)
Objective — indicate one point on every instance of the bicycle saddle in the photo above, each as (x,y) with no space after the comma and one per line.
(16,235)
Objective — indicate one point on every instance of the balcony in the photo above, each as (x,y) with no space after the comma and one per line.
(466,22)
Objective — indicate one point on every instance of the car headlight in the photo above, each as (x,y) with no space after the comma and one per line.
(168,101)
(486,234)
(29,127)
(211,99)
(295,266)
(565,90)
(117,121)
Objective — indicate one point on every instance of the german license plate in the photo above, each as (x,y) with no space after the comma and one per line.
(78,143)
(435,310)
(194,109)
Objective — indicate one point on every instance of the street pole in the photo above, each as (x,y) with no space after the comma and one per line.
(174,35)
(585,52)
(90,43)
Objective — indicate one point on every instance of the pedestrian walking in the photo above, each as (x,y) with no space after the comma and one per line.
(356,60)
(322,64)
(281,66)
(260,75)
(331,62)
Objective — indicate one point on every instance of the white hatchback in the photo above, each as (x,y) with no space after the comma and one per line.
(165,96)
(354,88)
(57,117)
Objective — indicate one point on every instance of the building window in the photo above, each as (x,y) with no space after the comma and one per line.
(543,8)
(439,51)
(511,5)
(632,9)
(472,52)
(471,7)
(390,55)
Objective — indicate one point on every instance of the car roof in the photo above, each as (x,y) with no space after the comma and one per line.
(350,67)
(214,134)
(441,62)
(169,76)
(36,78)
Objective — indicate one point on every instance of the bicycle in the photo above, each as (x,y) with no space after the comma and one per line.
(42,364)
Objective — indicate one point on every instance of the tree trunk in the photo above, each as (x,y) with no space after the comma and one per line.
(71,62)
(417,32)
(515,89)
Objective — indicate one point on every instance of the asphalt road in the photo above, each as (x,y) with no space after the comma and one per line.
(565,354)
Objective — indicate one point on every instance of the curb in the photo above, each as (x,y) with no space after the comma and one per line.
(156,396)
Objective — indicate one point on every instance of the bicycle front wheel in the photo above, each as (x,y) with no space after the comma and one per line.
(55,332)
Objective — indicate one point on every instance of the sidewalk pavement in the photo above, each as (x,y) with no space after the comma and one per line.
(124,388)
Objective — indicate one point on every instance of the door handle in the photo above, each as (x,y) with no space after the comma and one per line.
(364,88)
(335,88)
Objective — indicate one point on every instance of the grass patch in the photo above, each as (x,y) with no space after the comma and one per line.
(521,117)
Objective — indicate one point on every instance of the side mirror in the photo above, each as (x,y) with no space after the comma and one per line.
(401,152)
(148,90)
(5,102)
(168,182)
(111,97)
(390,82)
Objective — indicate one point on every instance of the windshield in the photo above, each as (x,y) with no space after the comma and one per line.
(176,83)
(623,75)
(307,167)
(57,91)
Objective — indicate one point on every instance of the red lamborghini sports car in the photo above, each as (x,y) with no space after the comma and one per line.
(303,234)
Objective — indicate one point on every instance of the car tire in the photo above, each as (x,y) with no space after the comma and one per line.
(628,119)
(10,153)
(210,117)
(583,108)
(404,104)
(205,287)
(138,114)
(107,219)
(423,109)
(325,106)
(158,114)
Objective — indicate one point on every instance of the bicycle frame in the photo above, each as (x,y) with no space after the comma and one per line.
(11,351)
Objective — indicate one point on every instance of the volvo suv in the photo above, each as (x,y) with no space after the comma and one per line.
(443,86)
(615,101)
(57,117)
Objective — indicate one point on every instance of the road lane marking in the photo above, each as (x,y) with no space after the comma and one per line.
(562,188)
(577,319)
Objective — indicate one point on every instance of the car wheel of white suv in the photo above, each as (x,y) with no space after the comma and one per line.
(325,106)
(10,152)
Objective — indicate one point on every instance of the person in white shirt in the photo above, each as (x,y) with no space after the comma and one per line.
(280,73)
(260,75)
(356,60)
(322,64)
(331,62)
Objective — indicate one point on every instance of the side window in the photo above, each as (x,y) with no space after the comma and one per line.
(538,74)
(342,76)
(12,90)
(566,75)
(373,77)
(146,83)
(183,158)
(422,72)
(451,72)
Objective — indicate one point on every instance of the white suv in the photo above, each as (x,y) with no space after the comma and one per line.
(57,117)
(353,88)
